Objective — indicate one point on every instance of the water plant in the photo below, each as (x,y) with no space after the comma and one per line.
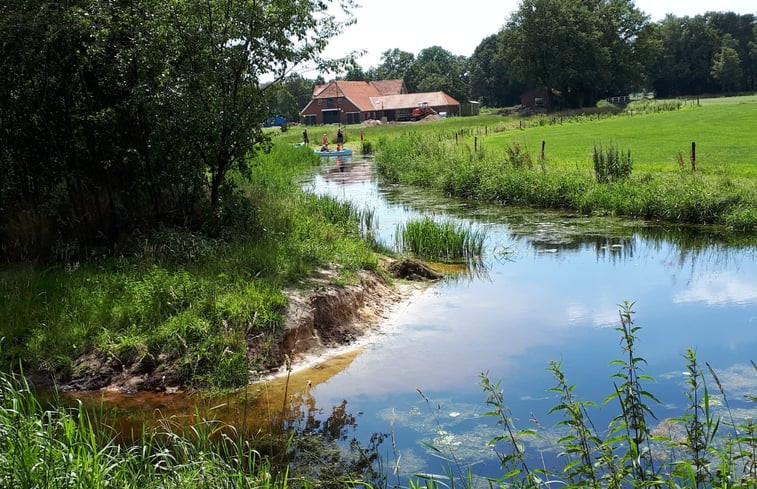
(444,240)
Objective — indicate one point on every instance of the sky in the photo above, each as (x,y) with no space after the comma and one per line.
(460,26)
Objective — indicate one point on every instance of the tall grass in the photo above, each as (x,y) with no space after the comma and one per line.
(49,447)
(442,240)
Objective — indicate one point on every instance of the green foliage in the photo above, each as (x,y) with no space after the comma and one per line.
(719,192)
(120,117)
(627,455)
(51,447)
(611,164)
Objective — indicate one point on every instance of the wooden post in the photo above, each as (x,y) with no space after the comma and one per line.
(521,125)
(456,139)
(543,143)
(693,156)
(475,143)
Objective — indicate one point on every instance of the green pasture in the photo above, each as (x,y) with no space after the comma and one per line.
(722,128)
(726,142)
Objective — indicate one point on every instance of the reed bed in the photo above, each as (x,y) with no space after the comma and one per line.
(440,240)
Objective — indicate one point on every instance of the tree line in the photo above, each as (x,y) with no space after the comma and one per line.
(587,50)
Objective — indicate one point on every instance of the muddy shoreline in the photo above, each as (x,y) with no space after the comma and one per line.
(321,320)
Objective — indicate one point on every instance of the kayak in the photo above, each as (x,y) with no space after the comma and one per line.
(333,152)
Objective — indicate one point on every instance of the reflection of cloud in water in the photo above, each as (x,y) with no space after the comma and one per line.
(602,318)
(723,288)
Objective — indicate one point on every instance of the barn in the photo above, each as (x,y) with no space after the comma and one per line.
(352,102)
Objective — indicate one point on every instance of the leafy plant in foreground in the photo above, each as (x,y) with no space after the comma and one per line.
(631,423)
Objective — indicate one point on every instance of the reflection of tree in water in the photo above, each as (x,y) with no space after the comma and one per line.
(320,449)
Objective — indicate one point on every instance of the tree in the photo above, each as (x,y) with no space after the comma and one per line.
(355,73)
(395,64)
(119,114)
(585,49)
(687,49)
(223,47)
(726,65)
(491,79)
(741,29)
(436,69)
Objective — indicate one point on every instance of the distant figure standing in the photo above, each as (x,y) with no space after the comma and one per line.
(325,143)
(305,138)
(339,137)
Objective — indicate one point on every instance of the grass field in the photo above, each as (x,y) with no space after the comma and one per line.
(721,127)
(726,144)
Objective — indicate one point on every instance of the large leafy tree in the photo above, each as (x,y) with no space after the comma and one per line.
(585,49)
(726,65)
(119,114)
(688,45)
(491,79)
(436,69)
(395,63)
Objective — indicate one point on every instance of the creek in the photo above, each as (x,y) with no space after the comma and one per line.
(548,288)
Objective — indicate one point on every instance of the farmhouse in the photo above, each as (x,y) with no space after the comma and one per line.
(352,102)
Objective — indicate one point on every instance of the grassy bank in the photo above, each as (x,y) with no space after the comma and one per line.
(508,166)
(186,301)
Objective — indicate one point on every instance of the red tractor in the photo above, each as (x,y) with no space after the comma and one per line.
(422,111)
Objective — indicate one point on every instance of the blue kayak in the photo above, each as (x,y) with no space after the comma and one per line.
(333,152)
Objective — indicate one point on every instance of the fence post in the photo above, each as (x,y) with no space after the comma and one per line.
(543,143)
(475,143)
(693,156)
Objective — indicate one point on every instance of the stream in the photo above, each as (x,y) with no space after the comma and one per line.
(548,288)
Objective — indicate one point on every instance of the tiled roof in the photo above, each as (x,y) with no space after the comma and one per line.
(411,100)
(380,95)
(358,92)
(390,87)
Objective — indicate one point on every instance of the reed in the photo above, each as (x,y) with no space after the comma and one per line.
(442,240)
